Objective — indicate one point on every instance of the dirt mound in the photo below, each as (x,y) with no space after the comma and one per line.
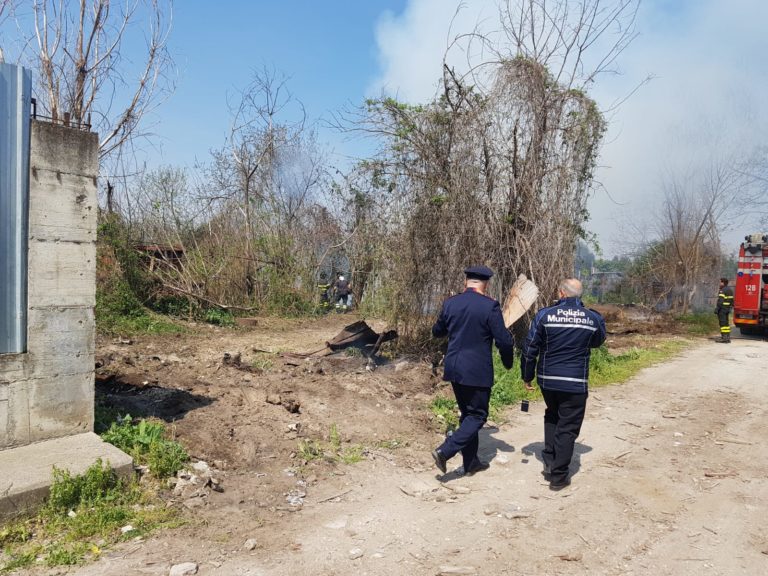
(243,398)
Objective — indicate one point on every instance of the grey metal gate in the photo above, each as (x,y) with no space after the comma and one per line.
(15,104)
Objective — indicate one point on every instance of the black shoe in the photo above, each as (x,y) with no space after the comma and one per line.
(556,485)
(440,461)
(477,466)
(547,475)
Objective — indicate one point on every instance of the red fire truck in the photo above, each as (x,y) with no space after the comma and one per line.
(750,306)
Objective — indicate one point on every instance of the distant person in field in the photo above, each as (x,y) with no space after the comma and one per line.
(343,291)
(557,351)
(472,321)
(723,311)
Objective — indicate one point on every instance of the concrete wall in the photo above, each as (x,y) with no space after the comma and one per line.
(48,392)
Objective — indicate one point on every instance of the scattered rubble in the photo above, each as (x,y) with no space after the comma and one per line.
(184,569)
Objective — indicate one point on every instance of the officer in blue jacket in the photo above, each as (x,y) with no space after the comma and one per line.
(557,350)
(472,321)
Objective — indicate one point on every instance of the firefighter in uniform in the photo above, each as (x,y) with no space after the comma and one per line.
(557,351)
(723,311)
(472,321)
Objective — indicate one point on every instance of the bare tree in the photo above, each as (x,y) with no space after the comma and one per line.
(81,49)
(499,166)
(754,170)
(6,9)
(681,265)
(263,188)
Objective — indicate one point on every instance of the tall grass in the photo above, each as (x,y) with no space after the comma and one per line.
(699,323)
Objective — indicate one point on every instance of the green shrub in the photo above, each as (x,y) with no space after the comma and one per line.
(219,317)
(174,305)
(97,485)
(118,311)
(147,444)
(166,458)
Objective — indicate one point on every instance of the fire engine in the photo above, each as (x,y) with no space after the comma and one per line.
(750,306)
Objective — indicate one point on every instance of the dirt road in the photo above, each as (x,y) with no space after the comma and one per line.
(671,477)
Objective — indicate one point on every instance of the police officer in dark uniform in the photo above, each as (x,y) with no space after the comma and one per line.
(557,351)
(723,310)
(472,321)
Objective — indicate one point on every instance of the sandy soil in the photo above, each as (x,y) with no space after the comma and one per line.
(671,474)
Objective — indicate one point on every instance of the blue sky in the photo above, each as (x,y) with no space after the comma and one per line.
(327,49)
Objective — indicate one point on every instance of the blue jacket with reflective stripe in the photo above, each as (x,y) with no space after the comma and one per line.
(472,323)
(559,344)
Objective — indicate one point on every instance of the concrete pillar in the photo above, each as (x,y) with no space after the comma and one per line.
(48,391)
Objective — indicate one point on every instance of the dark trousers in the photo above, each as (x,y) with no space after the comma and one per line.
(725,325)
(562,424)
(473,404)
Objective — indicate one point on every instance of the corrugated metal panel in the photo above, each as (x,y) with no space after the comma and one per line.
(15,103)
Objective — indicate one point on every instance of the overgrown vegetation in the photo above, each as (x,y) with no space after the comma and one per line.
(605,368)
(332,450)
(83,515)
(503,155)
(86,513)
(118,312)
(147,443)
(699,323)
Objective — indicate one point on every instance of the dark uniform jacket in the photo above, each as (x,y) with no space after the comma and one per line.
(724,300)
(341,287)
(472,322)
(559,344)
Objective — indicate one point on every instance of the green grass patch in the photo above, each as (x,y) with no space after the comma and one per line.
(82,516)
(334,450)
(148,323)
(263,361)
(699,323)
(446,412)
(605,368)
(148,444)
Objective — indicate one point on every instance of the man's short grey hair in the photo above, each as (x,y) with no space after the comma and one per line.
(571,287)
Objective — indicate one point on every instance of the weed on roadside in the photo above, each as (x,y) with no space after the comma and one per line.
(334,450)
(147,444)
(608,368)
(262,361)
(392,444)
(699,323)
(446,413)
(83,514)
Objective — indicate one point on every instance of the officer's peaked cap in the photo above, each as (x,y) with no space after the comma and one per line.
(478,272)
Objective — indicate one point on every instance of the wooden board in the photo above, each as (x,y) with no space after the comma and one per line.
(520,298)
